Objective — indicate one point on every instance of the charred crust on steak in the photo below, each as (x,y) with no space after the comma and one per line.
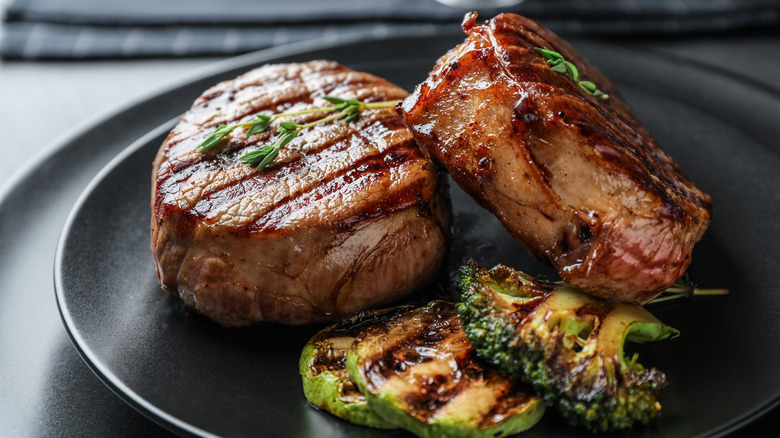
(577,180)
(339,222)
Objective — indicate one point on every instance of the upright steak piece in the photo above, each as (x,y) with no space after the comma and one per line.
(349,216)
(576,179)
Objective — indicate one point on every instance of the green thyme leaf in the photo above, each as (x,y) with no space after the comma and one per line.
(268,158)
(266,154)
(286,138)
(554,62)
(261,124)
(215,138)
(257,155)
(560,65)
(288,126)
(588,86)
(559,68)
(548,54)
(572,70)
(333,99)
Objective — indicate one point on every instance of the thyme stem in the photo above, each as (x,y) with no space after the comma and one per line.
(348,110)
(685,288)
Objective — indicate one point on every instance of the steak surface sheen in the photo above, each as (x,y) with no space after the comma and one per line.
(576,179)
(349,215)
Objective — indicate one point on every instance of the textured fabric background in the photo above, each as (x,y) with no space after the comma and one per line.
(80,29)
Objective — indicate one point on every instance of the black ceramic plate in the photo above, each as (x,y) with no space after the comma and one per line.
(195,377)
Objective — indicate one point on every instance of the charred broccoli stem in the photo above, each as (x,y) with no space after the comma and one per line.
(565,343)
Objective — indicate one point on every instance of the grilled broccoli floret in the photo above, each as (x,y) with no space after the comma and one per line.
(565,343)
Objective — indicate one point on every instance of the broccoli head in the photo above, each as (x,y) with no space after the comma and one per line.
(565,343)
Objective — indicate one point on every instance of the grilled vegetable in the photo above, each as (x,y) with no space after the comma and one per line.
(323,369)
(418,370)
(565,343)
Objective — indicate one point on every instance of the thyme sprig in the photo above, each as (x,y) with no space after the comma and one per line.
(560,65)
(686,288)
(346,109)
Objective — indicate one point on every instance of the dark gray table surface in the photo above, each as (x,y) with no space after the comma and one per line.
(49,390)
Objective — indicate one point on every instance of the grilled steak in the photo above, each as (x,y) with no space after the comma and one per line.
(576,179)
(349,216)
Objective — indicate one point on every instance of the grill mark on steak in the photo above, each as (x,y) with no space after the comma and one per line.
(293,168)
(236,139)
(325,83)
(238,144)
(235,148)
(638,156)
(290,167)
(361,176)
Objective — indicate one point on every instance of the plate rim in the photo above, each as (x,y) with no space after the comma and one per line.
(105,375)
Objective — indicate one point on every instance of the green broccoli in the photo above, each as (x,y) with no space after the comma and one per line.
(565,343)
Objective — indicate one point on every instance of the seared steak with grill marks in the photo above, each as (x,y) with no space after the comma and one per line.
(349,216)
(576,179)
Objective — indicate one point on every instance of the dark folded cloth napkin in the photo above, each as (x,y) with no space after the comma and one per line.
(82,29)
